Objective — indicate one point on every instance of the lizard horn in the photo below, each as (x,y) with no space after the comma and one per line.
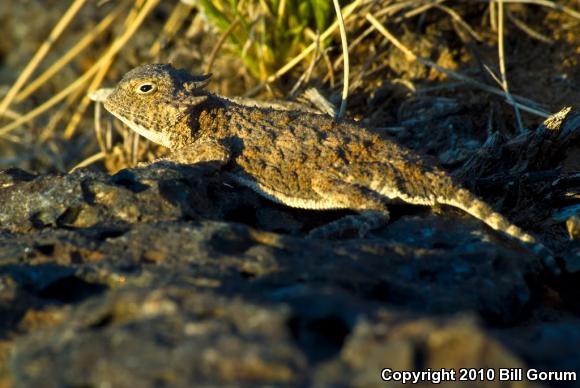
(198,82)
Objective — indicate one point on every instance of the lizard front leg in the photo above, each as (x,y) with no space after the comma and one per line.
(372,210)
(204,151)
(207,151)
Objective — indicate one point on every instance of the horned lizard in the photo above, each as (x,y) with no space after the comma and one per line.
(298,159)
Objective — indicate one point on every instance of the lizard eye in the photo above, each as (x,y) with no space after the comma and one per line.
(146,88)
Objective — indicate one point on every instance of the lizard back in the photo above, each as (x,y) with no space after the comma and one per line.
(281,153)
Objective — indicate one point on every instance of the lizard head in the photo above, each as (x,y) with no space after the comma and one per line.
(151,99)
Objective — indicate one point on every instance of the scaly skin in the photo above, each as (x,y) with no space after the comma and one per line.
(299,159)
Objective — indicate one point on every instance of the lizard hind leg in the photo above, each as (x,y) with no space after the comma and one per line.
(371,208)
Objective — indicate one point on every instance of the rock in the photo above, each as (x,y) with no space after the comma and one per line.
(573,226)
(389,342)
(165,336)
(172,275)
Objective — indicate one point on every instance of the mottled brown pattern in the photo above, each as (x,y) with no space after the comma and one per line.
(295,158)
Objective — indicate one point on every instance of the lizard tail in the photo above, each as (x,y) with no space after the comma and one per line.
(469,203)
(436,187)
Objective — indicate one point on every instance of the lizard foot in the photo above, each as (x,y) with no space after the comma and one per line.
(358,225)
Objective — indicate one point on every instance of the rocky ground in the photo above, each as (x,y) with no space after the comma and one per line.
(171,275)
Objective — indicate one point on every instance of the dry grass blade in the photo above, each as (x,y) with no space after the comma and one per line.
(493,15)
(391,38)
(528,30)
(422,9)
(219,45)
(90,160)
(93,86)
(79,112)
(544,3)
(12,114)
(397,7)
(70,54)
(55,119)
(305,76)
(456,17)
(49,103)
(501,54)
(113,49)
(134,152)
(346,64)
(492,74)
(175,21)
(448,72)
(40,54)
(98,127)
(348,10)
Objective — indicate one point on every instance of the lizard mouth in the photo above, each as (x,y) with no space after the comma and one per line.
(159,135)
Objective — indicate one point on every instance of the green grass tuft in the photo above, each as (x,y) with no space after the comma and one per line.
(269,32)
